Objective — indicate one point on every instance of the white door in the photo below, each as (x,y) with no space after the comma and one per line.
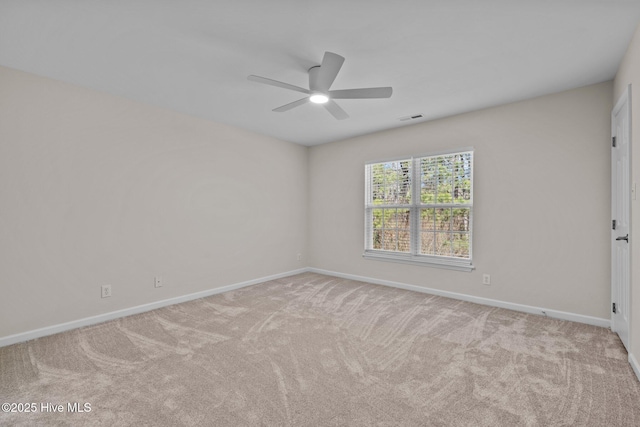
(620,215)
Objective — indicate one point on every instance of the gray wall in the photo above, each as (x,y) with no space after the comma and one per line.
(96,189)
(541,194)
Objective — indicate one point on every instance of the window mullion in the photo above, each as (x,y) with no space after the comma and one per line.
(414,214)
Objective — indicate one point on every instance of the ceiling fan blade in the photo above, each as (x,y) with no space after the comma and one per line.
(335,110)
(370,92)
(291,105)
(276,83)
(331,64)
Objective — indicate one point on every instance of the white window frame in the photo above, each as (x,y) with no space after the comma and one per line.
(414,257)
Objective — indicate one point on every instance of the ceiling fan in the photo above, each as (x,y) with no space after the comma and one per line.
(321,78)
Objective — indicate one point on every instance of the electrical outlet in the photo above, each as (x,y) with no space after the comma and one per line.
(157,282)
(486,279)
(299,257)
(106,291)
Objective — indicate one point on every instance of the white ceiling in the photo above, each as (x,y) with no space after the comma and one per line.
(442,57)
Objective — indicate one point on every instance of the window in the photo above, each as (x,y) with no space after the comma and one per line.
(420,210)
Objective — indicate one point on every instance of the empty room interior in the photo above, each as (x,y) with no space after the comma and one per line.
(416,213)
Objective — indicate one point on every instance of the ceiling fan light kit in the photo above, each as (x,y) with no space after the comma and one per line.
(319,98)
(321,77)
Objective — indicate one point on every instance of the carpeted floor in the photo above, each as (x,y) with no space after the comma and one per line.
(312,350)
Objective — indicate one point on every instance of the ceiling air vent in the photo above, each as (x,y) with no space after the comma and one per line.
(414,117)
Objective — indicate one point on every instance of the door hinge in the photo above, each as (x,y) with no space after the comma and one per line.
(613,224)
(614,307)
(613,141)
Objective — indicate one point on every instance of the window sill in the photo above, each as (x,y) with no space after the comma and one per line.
(425,261)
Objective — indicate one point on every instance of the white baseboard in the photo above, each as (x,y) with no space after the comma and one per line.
(635,365)
(50,330)
(562,315)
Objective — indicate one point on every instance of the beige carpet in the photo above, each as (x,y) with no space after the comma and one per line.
(312,350)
